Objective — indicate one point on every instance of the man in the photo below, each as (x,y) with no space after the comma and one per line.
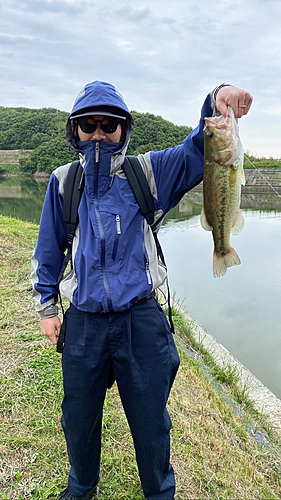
(115,323)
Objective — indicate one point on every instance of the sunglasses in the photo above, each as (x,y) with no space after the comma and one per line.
(88,124)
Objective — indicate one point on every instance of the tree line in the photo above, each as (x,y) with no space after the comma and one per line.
(43,132)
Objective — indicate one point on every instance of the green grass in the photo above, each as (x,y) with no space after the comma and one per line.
(213,455)
(227,376)
(252,161)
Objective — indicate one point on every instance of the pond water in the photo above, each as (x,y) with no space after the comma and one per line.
(242,309)
(22,197)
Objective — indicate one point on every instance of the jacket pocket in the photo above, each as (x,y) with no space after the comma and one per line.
(117,235)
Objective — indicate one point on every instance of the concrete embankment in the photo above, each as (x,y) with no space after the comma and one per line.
(256,194)
(259,181)
(262,180)
(263,399)
(13,156)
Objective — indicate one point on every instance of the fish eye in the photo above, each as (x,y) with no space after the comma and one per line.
(210,134)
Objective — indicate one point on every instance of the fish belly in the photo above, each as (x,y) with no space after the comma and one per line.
(222,213)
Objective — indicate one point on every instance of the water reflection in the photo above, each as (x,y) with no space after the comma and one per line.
(191,205)
(22,197)
(242,308)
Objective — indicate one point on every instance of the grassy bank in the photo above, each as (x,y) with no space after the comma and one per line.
(213,454)
(252,161)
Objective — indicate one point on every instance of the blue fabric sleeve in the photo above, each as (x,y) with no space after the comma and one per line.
(177,170)
(51,243)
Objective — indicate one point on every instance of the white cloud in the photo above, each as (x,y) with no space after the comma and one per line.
(133,15)
(164,57)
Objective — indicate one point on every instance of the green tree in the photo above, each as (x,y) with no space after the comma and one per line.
(43,131)
(153,133)
(24,128)
(49,155)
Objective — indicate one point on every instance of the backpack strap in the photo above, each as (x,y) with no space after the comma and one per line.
(73,190)
(140,187)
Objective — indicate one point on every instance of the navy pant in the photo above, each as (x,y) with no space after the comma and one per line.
(138,345)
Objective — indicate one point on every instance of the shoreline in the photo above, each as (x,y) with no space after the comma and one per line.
(214,452)
(264,401)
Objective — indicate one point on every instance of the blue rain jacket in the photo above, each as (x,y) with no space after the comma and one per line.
(115,261)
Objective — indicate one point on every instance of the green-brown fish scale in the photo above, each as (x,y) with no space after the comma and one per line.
(221,201)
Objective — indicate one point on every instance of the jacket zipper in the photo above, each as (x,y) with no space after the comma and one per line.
(101,231)
(118,232)
(97,152)
(149,280)
(118,224)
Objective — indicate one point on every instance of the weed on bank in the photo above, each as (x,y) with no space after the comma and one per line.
(213,455)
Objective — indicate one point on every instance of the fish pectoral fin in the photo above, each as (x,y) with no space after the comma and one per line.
(243,178)
(238,224)
(204,223)
(222,262)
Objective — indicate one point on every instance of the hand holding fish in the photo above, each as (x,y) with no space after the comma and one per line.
(239,100)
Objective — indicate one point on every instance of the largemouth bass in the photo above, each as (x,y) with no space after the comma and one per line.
(223,176)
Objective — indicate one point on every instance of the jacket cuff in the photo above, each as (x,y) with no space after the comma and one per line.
(215,91)
(49,312)
(214,96)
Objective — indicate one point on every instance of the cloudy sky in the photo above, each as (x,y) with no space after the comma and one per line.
(164,56)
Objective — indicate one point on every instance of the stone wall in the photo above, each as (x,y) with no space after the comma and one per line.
(259,181)
(8,156)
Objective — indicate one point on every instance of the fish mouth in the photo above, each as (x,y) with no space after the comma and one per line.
(221,137)
(219,122)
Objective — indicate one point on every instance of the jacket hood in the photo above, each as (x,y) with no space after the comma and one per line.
(103,96)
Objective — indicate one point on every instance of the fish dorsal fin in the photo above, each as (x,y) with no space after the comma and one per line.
(204,223)
(238,224)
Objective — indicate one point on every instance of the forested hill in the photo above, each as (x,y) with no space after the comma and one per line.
(43,132)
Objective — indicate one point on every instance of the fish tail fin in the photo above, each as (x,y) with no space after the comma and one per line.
(222,262)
